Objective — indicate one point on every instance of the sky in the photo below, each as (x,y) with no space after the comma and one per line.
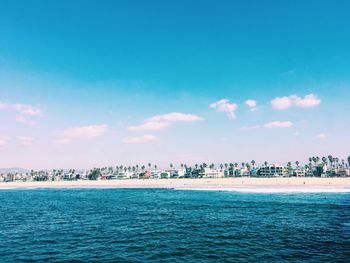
(99,83)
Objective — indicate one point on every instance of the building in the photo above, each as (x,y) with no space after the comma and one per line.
(213,173)
(273,171)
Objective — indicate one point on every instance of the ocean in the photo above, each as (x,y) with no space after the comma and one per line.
(152,225)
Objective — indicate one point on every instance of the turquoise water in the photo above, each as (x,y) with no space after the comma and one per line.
(145,225)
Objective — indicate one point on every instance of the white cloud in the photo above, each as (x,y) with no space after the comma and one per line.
(24,120)
(28,110)
(270,125)
(175,117)
(25,141)
(139,139)
(282,103)
(224,105)
(150,126)
(82,132)
(251,104)
(24,112)
(163,121)
(296,133)
(308,101)
(278,124)
(321,136)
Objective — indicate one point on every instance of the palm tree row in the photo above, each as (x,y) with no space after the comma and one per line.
(330,161)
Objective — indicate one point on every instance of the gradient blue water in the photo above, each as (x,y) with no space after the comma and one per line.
(139,225)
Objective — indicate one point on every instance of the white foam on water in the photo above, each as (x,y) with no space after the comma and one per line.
(272,189)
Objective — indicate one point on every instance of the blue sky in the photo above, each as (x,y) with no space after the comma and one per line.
(79,82)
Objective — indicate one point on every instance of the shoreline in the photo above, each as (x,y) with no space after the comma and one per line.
(239,184)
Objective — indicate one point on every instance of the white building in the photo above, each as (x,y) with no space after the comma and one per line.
(213,173)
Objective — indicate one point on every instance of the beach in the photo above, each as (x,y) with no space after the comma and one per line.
(240,184)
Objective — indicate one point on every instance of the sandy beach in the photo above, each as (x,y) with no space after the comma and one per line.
(243,184)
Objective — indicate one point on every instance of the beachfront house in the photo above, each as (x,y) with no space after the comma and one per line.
(273,171)
(213,173)
(299,173)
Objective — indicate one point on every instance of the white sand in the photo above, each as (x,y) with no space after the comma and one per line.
(243,184)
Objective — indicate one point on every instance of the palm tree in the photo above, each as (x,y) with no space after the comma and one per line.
(289,167)
(253,163)
(265,163)
(297,164)
(310,161)
(349,160)
(248,168)
(171,165)
(149,166)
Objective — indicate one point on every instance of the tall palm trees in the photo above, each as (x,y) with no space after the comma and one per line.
(253,162)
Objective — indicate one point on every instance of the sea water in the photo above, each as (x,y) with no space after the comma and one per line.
(150,225)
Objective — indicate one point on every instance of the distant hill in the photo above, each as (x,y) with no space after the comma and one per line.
(14,170)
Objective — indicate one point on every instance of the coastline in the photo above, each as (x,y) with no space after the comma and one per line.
(239,184)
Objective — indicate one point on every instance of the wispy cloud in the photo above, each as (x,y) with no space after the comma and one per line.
(251,104)
(150,126)
(308,101)
(270,125)
(225,105)
(289,72)
(175,117)
(25,140)
(321,136)
(278,124)
(160,122)
(25,112)
(77,133)
(140,139)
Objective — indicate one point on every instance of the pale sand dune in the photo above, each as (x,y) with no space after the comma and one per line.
(243,184)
